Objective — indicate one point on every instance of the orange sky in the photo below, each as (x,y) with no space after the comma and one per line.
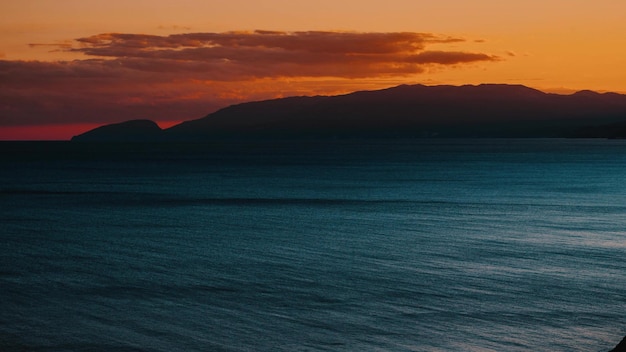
(62,71)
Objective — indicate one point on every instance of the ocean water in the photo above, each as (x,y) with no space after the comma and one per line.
(432,245)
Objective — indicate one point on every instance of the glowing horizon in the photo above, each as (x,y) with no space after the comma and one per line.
(87,64)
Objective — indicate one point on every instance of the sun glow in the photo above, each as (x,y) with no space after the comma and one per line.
(97,62)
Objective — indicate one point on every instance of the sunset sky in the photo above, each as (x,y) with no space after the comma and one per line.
(70,65)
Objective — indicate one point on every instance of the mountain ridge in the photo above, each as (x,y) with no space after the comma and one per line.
(405,111)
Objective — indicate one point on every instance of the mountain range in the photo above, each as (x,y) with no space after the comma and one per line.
(406,111)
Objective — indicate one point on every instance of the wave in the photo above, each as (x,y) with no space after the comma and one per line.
(148,199)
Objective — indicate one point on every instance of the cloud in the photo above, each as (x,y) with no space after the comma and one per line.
(184,76)
(64,45)
(261,54)
(312,42)
(174,27)
(449,57)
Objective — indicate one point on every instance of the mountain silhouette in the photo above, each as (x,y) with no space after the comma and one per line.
(134,130)
(406,111)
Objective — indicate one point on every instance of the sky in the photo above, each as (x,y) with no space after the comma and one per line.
(67,66)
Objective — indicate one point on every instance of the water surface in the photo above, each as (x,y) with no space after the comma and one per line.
(434,245)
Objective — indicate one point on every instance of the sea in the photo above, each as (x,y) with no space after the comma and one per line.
(403,245)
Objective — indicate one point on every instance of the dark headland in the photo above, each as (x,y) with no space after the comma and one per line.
(621,347)
(407,111)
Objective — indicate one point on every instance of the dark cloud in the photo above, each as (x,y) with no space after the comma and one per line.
(449,57)
(340,43)
(260,54)
(183,76)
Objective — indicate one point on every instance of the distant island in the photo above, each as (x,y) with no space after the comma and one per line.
(406,111)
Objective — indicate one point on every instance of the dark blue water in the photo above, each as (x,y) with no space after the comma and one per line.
(444,245)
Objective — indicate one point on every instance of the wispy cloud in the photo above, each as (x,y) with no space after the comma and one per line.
(449,57)
(174,27)
(183,76)
(67,45)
